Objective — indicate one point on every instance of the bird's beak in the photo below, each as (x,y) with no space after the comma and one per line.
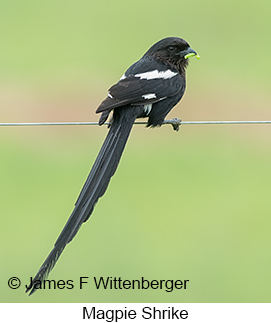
(189,52)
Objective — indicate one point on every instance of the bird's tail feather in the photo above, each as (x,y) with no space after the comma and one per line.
(95,186)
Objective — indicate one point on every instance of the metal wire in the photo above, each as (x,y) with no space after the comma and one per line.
(172,121)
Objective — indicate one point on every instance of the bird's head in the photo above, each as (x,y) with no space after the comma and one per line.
(173,51)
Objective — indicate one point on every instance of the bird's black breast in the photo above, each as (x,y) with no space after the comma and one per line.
(160,109)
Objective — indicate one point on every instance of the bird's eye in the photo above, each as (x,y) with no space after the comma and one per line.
(171,48)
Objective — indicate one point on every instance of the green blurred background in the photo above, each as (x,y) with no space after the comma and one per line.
(190,205)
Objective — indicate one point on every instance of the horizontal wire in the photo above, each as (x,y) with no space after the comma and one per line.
(172,121)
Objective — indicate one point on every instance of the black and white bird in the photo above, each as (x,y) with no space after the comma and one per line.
(150,88)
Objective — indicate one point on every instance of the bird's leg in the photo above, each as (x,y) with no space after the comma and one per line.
(110,121)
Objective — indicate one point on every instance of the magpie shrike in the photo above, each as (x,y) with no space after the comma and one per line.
(150,88)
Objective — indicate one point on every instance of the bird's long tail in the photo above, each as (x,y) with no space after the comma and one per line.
(95,186)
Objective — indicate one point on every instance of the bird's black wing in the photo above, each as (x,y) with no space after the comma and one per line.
(144,86)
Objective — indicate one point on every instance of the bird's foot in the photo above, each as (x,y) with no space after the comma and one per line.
(175,122)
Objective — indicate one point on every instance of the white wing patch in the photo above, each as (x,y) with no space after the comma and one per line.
(110,96)
(123,77)
(156,75)
(149,96)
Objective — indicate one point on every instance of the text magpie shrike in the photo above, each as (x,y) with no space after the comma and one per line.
(150,88)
